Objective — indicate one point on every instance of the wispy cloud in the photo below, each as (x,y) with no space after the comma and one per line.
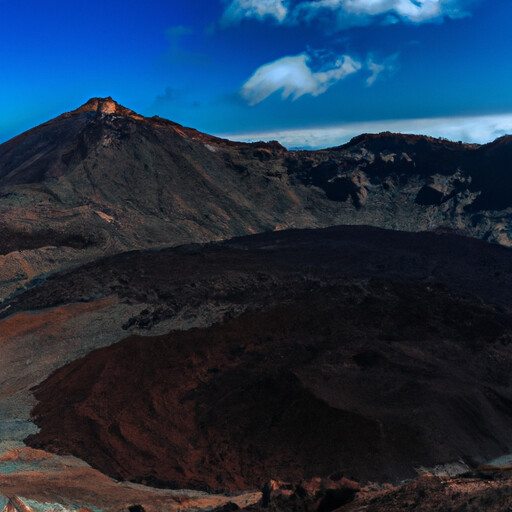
(237,10)
(376,70)
(480,129)
(386,67)
(347,12)
(294,77)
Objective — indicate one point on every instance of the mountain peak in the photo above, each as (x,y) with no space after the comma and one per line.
(105,106)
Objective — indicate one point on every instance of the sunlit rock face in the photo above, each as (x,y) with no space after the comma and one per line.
(16,504)
(101,105)
(105,106)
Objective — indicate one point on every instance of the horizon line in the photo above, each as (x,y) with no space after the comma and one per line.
(469,129)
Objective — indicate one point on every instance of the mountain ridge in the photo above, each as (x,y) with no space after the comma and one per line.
(114,180)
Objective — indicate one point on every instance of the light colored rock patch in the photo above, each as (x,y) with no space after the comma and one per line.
(72,484)
(452,469)
(105,217)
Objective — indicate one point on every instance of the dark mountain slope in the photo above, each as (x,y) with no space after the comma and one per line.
(373,381)
(120,181)
(363,350)
(264,268)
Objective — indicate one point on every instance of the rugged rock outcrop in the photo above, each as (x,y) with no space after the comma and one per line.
(487,489)
(16,504)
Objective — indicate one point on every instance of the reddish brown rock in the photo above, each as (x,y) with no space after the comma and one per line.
(357,378)
(15,504)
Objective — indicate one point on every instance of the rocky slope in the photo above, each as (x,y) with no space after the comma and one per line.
(362,350)
(153,292)
(484,489)
(103,179)
(304,389)
(50,483)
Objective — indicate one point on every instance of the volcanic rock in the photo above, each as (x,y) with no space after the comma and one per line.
(16,504)
(369,353)
(489,491)
(102,179)
(374,377)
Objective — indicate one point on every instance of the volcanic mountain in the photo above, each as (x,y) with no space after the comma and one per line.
(102,180)
(138,336)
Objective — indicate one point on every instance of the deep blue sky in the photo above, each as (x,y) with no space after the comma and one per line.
(189,61)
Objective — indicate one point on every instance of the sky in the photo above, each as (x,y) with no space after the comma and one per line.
(311,73)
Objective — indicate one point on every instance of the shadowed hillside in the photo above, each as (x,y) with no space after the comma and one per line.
(362,350)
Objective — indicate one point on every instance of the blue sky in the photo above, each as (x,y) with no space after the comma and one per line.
(317,71)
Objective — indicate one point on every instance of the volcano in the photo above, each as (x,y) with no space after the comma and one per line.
(103,179)
(183,311)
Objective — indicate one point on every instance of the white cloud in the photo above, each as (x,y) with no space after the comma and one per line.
(237,10)
(416,11)
(348,12)
(294,77)
(480,129)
